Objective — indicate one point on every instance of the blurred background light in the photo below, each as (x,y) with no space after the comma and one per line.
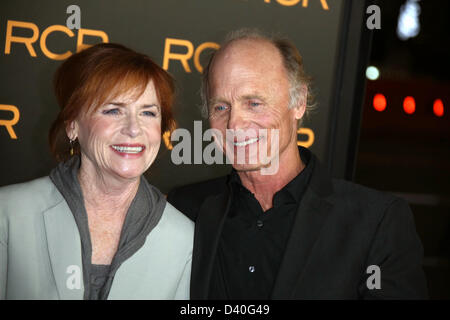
(408,25)
(379,102)
(438,107)
(372,73)
(409,105)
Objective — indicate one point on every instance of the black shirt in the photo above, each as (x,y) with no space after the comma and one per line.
(252,242)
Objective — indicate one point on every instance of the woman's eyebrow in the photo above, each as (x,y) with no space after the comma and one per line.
(151,105)
(143,106)
(117,103)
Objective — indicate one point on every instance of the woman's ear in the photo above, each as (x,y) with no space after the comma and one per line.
(72,130)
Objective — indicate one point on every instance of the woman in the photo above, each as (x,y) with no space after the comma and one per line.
(95,228)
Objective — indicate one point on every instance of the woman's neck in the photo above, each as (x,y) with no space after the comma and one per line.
(106,195)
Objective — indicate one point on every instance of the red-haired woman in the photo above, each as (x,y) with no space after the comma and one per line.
(95,228)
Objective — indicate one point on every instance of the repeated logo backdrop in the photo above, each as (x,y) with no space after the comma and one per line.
(178,35)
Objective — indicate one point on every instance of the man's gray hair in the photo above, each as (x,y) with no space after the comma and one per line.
(292,61)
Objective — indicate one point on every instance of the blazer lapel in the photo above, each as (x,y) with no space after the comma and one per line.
(64,246)
(208,228)
(311,216)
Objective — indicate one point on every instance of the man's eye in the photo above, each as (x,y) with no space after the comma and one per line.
(220,108)
(254,104)
(113,111)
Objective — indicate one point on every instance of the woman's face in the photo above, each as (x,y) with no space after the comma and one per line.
(122,137)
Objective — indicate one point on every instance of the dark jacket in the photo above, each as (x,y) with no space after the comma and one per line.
(339,231)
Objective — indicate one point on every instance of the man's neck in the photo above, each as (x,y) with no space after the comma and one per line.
(264,187)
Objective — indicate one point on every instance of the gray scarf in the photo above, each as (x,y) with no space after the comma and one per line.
(143,215)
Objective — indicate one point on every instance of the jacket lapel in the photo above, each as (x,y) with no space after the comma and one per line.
(208,228)
(64,248)
(311,216)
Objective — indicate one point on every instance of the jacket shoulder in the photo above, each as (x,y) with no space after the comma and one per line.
(352,192)
(32,196)
(366,203)
(188,199)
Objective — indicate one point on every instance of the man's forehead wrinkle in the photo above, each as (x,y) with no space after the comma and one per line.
(238,92)
(234,78)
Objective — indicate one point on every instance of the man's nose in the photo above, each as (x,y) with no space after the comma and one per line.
(132,126)
(237,119)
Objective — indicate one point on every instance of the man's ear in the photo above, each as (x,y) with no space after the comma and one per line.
(300,108)
(72,130)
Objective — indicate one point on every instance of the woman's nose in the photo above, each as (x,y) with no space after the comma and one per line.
(132,127)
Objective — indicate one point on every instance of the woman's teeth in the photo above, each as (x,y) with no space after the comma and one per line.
(128,149)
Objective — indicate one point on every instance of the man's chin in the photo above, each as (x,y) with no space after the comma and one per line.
(247,167)
(265,169)
(250,167)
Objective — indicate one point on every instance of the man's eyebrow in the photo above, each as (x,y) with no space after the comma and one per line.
(244,97)
(216,100)
(252,96)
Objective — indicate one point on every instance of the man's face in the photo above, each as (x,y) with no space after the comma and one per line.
(249,92)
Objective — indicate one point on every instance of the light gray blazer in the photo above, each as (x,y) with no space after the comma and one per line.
(40,250)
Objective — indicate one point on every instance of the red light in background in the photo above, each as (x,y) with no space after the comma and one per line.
(438,107)
(379,102)
(409,105)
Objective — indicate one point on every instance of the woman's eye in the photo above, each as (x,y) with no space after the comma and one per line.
(149,113)
(113,111)
(254,104)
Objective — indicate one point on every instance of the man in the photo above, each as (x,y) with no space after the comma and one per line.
(295,233)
